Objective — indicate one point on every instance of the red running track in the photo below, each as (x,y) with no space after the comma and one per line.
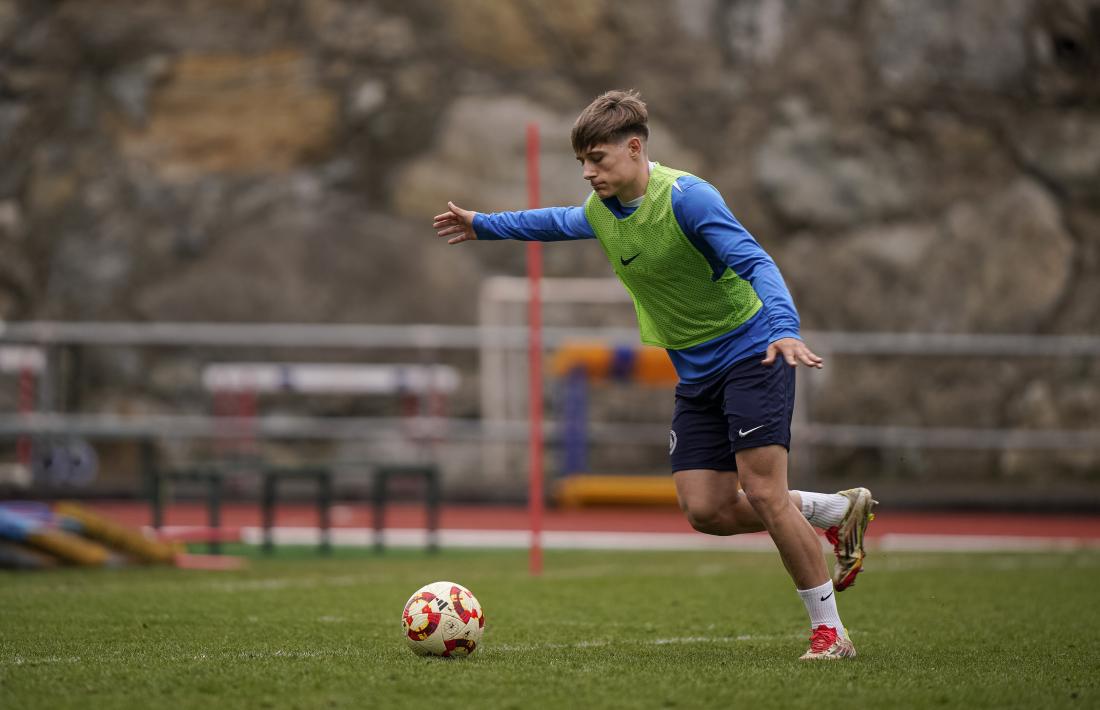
(618,519)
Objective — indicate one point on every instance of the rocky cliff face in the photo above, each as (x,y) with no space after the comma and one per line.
(930,166)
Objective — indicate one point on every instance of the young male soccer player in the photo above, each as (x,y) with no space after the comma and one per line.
(706,291)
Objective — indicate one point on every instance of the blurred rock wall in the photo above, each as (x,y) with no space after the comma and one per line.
(923,166)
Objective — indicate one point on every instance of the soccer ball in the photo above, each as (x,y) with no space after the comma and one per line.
(442,619)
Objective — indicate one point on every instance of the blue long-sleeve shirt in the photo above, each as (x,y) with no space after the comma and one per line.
(710,226)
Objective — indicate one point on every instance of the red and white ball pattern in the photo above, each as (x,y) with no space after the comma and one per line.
(443,619)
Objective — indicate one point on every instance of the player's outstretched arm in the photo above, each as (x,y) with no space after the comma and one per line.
(794,351)
(455,225)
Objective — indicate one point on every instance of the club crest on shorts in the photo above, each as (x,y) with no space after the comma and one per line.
(671,440)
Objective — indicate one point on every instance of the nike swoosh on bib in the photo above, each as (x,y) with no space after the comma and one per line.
(626,262)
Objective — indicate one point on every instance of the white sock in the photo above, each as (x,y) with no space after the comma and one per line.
(823,510)
(821,606)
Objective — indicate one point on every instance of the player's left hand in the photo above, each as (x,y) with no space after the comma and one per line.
(794,351)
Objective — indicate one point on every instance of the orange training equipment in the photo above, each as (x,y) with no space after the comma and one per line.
(116,536)
(68,547)
(645,365)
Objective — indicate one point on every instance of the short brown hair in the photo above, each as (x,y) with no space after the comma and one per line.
(612,117)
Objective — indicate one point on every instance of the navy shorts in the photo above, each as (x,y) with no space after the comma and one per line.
(747,406)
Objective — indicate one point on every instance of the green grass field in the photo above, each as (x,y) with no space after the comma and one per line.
(597,630)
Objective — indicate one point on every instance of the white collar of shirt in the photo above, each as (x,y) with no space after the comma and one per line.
(637,201)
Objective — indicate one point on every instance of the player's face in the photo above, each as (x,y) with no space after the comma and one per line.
(613,168)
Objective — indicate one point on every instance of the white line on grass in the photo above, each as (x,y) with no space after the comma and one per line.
(21,661)
(219,656)
(1024,561)
(279,583)
(604,540)
(282,653)
(599,643)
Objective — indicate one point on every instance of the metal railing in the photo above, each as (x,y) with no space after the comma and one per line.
(50,335)
(55,336)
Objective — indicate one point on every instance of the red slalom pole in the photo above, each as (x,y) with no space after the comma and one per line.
(534,351)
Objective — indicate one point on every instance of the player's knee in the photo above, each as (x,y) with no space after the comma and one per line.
(766,500)
(706,517)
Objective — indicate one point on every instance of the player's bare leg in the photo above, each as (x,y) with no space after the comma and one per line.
(714,504)
(763,475)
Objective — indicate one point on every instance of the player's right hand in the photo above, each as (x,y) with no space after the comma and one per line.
(456,224)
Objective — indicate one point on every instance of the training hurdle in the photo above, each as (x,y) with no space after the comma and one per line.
(423,389)
(271,477)
(383,473)
(429,473)
(577,365)
(213,477)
